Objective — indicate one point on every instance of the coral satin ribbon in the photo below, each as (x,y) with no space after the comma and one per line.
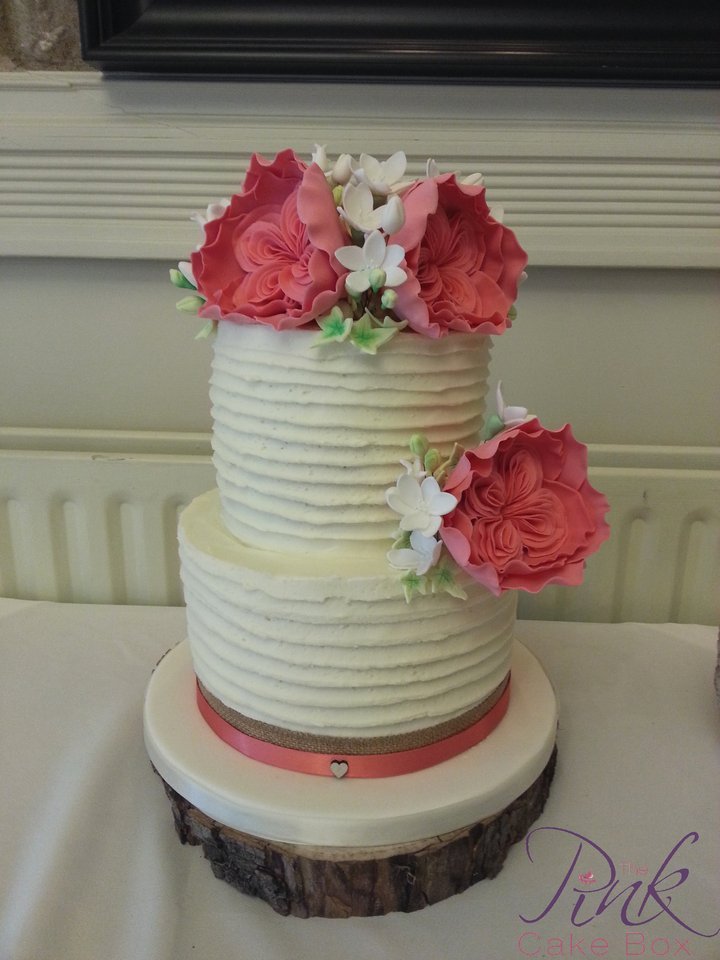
(361,765)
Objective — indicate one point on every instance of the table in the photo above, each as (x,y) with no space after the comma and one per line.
(91,866)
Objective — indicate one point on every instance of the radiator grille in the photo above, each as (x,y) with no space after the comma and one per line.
(82,526)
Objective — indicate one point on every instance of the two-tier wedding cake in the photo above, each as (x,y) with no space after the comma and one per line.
(351,585)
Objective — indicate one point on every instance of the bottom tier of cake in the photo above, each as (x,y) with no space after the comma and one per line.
(326,646)
(250,816)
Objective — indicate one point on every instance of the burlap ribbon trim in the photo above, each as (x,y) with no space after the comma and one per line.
(355,765)
(352,746)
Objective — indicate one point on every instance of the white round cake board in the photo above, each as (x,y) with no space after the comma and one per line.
(301,808)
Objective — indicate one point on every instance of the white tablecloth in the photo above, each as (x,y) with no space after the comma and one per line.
(92,869)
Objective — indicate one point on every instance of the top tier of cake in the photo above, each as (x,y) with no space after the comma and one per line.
(306,441)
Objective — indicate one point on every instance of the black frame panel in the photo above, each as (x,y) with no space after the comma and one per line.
(593,43)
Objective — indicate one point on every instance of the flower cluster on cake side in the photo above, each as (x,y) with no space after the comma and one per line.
(359,252)
(515,512)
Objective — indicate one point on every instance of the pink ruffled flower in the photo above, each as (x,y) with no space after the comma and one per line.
(464,266)
(526,514)
(270,257)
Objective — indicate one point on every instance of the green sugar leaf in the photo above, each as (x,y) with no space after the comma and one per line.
(441,473)
(443,581)
(334,328)
(367,337)
(209,328)
(403,541)
(493,426)
(178,280)
(412,584)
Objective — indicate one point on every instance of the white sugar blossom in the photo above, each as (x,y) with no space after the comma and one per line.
(213,211)
(381,175)
(370,262)
(423,553)
(319,156)
(472,179)
(510,416)
(358,208)
(414,468)
(420,504)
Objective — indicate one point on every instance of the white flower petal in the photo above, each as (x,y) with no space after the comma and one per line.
(374,250)
(404,559)
(429,488)
(351,257)
(319,156)
(414,468)
(343,169)
(357,207)
(421,543)
(409,493)
(442,503)
(428,548)
(214,210)
(394,255)
(358,281)
(357,198)
(510,416)
(370,165)
(393,215)
(381,176)
(394,276)
(431,168)
(431,527)
(422,521)
(394,167)
(186,270)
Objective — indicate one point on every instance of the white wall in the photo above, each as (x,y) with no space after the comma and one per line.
(629,356)
(613,192)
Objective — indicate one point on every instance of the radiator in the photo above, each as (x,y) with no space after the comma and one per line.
(91,517)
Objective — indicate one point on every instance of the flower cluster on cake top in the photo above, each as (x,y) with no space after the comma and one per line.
(515,512)
(355,249)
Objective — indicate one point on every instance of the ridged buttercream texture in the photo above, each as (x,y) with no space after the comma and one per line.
(295,617)
(306,440)
(330,648)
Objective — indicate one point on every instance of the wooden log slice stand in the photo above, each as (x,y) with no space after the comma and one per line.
(313,846)
(310,881)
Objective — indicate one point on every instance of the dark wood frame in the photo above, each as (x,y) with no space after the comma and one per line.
(635,42)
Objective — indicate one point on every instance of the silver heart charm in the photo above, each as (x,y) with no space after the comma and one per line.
(339,768)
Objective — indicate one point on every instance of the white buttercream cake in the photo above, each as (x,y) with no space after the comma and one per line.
(351,585)
(295,618)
